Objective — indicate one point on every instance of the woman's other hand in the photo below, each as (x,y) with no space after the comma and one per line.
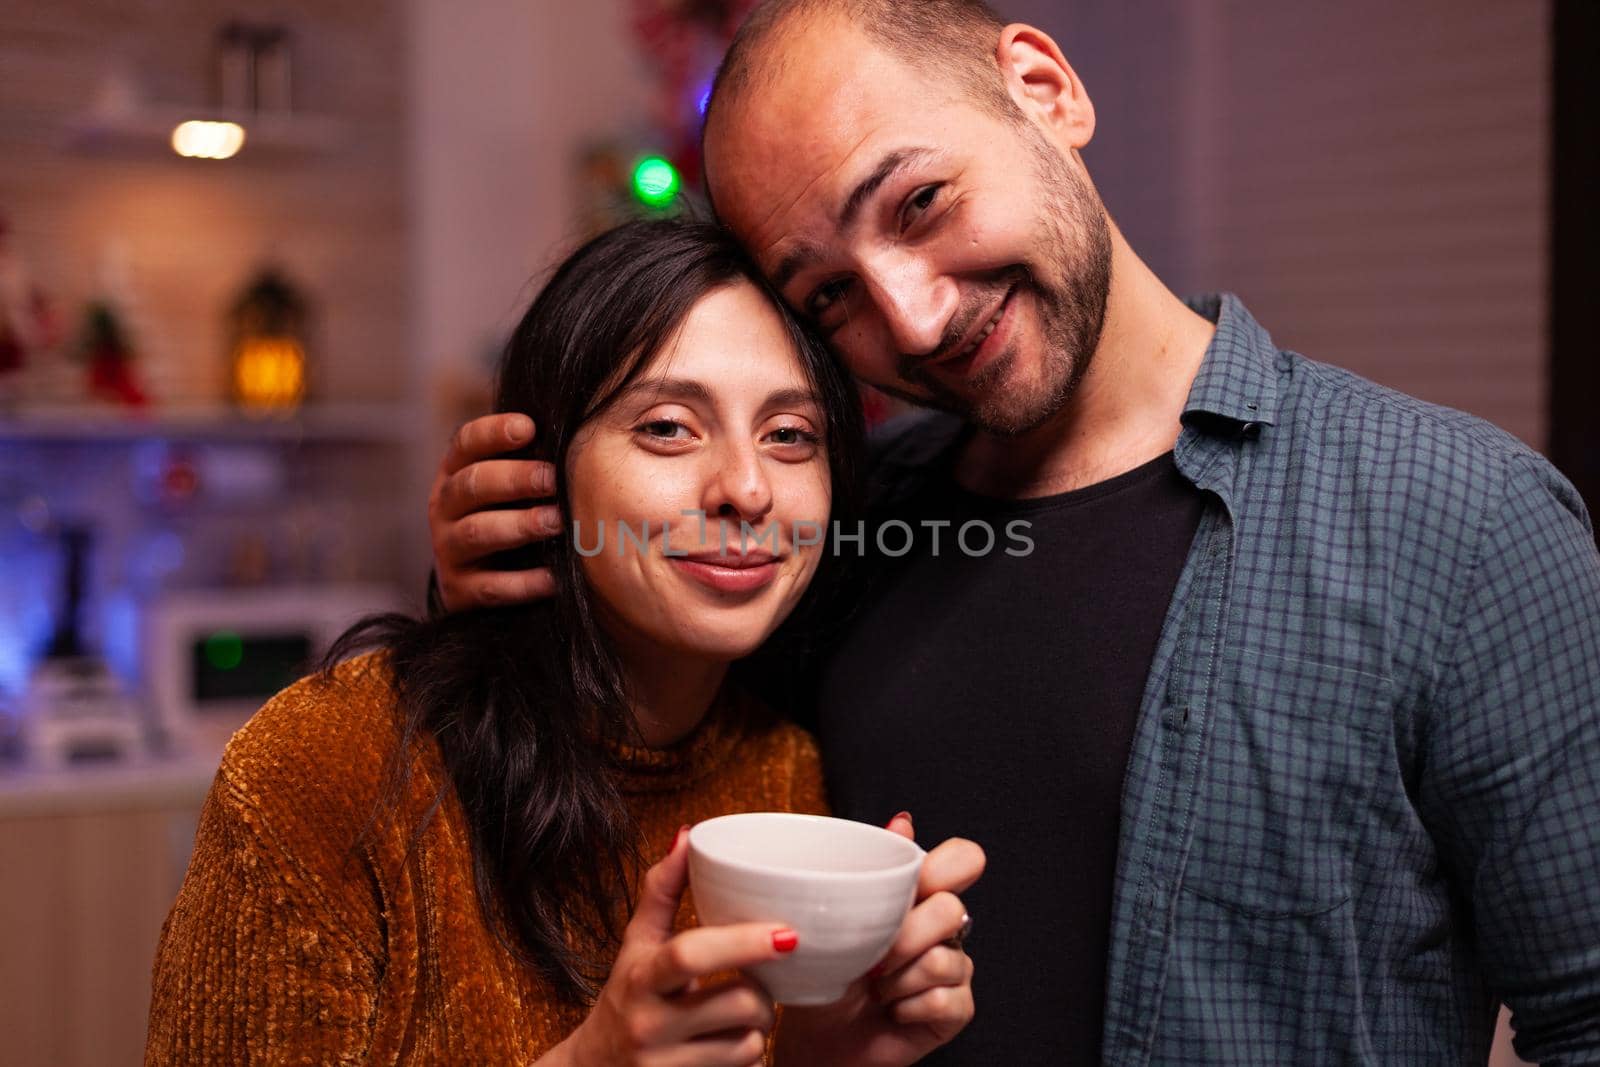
(657,1009)
(466,525)
(918,997)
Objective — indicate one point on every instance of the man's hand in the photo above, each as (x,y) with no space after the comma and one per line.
(918,997)
(467,529)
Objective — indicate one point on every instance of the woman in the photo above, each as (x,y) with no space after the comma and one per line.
(430,853)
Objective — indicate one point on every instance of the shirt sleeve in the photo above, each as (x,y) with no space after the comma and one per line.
(254,965)
(1511,783)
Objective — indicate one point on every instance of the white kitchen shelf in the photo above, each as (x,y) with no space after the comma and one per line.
(148,128)
(330,423)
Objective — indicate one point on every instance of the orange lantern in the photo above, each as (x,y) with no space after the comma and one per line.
(269,352)
(269,373)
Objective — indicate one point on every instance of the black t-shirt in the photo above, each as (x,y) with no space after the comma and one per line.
(994,696)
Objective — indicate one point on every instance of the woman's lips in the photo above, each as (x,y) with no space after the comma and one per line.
(729,575)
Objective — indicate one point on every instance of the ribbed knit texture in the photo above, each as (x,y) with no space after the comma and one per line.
(281,950)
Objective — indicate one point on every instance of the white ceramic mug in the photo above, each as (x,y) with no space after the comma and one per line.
(844,887)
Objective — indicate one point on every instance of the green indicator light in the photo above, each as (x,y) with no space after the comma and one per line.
(655,181)
(224,650)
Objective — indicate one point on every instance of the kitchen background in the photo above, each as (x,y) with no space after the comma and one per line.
(224,383)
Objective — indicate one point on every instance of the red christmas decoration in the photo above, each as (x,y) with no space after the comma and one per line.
(685,40)
(110,358)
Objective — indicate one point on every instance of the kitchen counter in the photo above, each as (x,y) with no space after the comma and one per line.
(114,785)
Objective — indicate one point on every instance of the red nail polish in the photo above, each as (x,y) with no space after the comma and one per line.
(906,815)
(785,940)
(876,972)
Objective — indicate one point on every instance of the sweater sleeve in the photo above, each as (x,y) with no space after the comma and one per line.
(257,963)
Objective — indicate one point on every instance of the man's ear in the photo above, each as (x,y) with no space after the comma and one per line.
(1043,83)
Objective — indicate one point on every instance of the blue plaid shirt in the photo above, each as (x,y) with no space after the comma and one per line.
(1363,801)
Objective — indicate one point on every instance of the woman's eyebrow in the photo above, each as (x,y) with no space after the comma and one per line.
(792,397)
(659,389)
(688,390)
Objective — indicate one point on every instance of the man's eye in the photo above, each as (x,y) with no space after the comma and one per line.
(826,296)
(920,201)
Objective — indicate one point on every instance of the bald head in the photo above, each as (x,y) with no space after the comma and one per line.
(955,39)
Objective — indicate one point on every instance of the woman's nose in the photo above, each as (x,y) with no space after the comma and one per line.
(738,487)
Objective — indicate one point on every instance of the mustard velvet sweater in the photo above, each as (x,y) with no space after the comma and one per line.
(278,951)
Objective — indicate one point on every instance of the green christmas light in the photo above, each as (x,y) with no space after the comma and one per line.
(655,181)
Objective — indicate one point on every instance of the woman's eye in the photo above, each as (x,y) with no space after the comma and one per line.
(790,436)
(920,201)
(664,429)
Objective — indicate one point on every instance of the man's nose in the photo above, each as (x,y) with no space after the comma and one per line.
(916,302)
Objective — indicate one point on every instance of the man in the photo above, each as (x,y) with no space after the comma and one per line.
(1284,741)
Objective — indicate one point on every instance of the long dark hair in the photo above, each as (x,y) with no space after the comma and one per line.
(524,700)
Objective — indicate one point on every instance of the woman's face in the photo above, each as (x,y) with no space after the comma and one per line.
(702,483)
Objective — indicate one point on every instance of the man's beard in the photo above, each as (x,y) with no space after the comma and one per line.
(1076,250)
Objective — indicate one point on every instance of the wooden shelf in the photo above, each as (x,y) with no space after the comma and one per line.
(334,423)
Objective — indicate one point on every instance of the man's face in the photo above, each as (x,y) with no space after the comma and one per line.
(951,257)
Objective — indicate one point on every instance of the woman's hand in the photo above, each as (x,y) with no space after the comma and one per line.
(655,1010)
(466,526)
(917,998)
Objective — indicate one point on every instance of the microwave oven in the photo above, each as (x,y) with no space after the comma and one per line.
(214,656)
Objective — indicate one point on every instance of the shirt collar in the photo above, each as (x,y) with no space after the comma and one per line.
(1238,380)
